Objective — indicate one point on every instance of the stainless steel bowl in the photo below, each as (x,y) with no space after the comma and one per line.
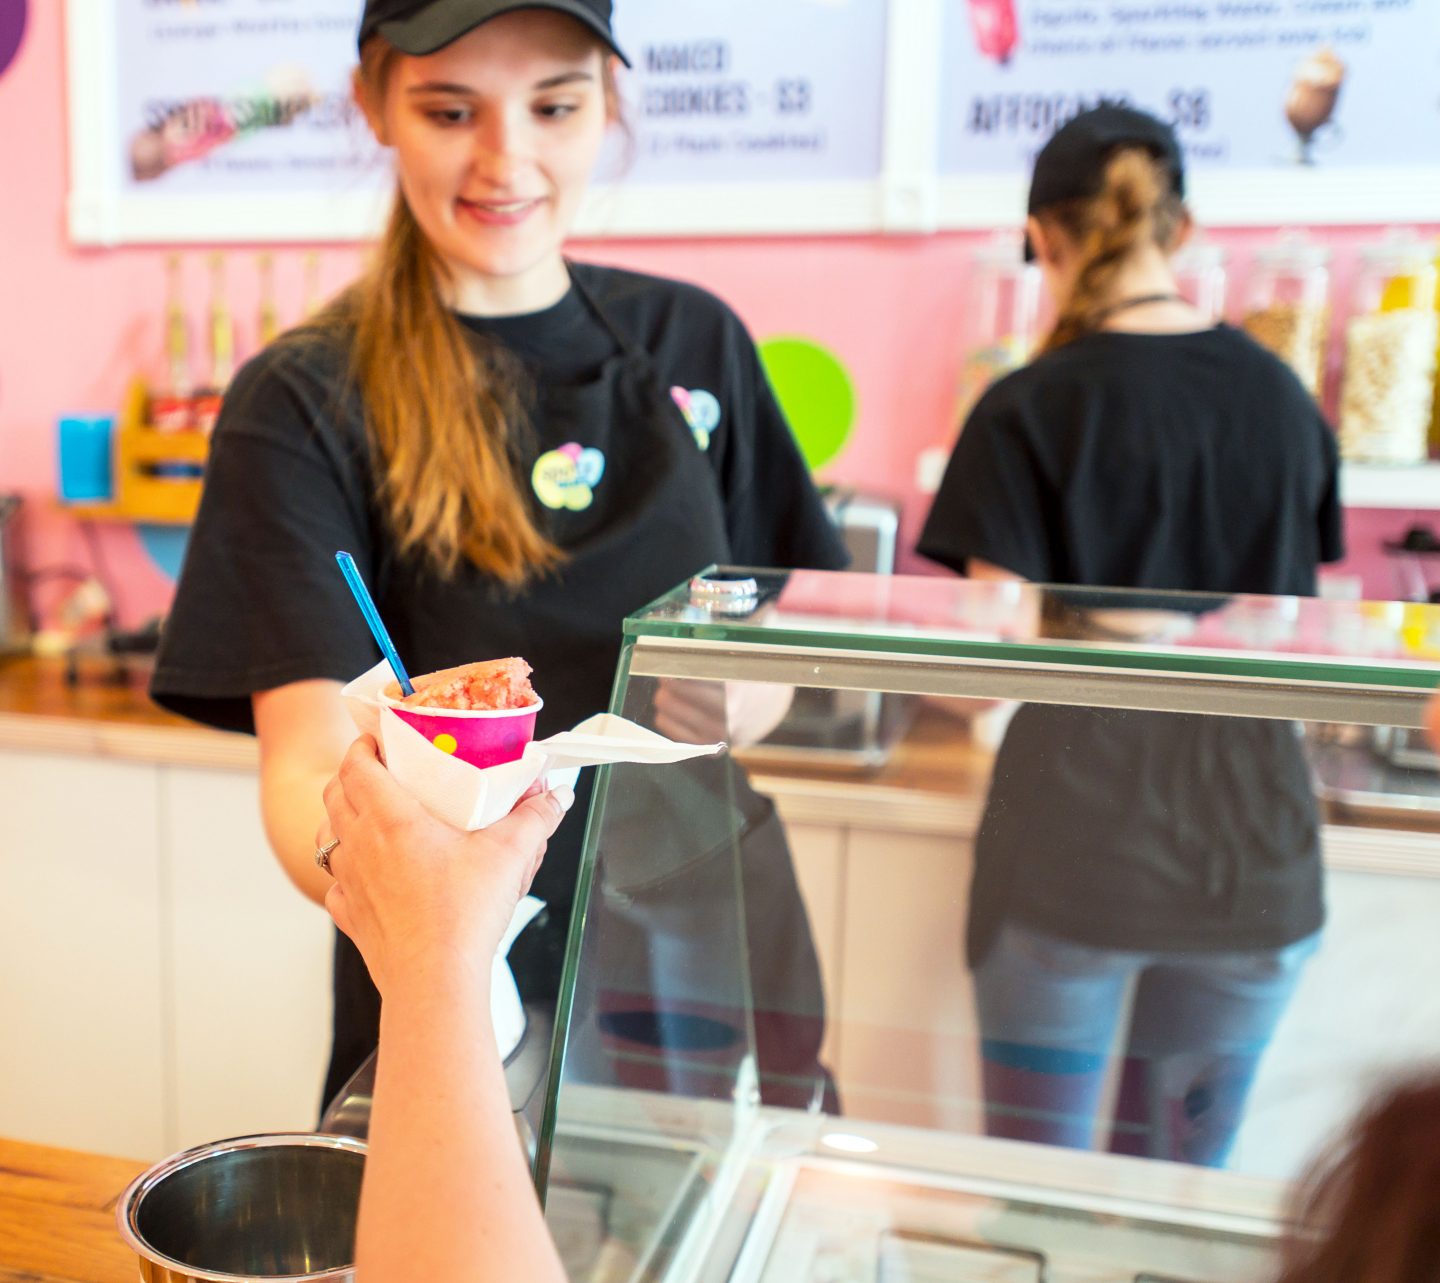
(277,1207)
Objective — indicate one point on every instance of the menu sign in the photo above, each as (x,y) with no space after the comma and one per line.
(238,97)
(753,90)
(233,119)
(1248,84)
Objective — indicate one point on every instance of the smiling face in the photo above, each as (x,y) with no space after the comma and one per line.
(494,138)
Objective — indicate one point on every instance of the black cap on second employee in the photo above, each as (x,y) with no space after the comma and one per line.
(422,26)
(1071,166)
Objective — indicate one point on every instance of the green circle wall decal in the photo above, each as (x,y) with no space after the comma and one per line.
(814,391)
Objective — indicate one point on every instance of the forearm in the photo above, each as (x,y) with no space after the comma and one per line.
(304,731)
(292,801)
(447,1194)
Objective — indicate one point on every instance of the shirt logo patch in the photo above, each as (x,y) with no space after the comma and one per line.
(567,477)
(701,411)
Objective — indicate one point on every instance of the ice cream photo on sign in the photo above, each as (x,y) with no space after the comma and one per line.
(1312,97)
(996,29)
(180,132)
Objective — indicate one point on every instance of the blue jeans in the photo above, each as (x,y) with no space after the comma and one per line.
(1049,1010)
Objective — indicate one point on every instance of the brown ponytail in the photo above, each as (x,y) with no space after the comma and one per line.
(1136,204)
(444,409)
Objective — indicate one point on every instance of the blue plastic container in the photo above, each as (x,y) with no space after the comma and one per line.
(86,471)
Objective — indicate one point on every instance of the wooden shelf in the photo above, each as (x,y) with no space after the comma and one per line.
(119,512)
(139,449)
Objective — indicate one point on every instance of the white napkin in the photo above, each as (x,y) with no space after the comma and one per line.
(471,797)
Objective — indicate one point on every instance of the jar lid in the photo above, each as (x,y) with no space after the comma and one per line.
(1003,251)
(1293,251)
(1199,256)
(1401,250)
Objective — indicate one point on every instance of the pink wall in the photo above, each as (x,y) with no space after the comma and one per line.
(78,323)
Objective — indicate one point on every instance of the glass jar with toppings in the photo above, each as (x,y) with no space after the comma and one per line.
(1435,409)
(1388,391)
(1287,306)
(1200,275)
(1002,317)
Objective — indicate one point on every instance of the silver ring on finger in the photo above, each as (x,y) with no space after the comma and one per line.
(322,854)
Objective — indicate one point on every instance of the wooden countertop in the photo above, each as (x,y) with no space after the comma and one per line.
(101,717)
(57,1216)
(935,780)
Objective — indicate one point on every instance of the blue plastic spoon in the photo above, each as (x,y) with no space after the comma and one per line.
(351,571)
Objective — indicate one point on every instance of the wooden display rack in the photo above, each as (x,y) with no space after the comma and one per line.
(139,450)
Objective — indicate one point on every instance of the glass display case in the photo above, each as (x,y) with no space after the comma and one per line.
(1072,992)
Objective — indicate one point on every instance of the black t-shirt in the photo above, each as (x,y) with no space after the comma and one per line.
(291,480)
(261,602)
(1190,462)
(1175,461)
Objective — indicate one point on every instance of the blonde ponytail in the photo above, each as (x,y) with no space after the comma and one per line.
(444,408)
(1135,205)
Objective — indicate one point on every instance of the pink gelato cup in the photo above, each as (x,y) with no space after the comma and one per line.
(482,737)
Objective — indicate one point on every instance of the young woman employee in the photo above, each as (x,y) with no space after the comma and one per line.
(1175,858)
(519,450)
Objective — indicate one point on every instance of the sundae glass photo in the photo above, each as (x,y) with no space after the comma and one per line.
(1310,104)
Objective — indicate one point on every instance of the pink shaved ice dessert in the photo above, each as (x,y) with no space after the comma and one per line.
(489,685)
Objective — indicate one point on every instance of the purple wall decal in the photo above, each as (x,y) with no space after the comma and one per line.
(12,30)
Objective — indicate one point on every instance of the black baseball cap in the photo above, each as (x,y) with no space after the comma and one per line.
(422,26)
(1071,166)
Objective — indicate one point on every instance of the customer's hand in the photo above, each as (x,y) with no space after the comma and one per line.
(740,713)
(414,893)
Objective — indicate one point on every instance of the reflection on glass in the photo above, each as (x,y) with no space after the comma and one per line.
(1154,914)
(813,998)
(1138,937)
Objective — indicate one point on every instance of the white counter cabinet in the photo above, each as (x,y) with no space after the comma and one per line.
(249,980)
(887,910)
(161,984)
(887,902)
(84,1034)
